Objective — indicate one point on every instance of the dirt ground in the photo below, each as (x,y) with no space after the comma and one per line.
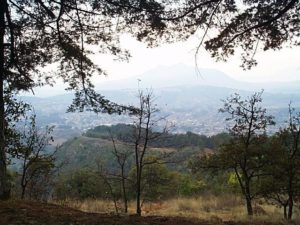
(34,213)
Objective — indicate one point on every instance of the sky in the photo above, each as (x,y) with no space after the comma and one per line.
(281,65)
(272,65)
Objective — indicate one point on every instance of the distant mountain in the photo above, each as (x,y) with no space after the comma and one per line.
(182,75)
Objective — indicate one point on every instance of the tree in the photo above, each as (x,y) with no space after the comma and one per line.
(109,181)
(122,155)
(245,153)
(15,111)
(282,185)
(158,182)
(34,34)
(80,184)
(36,160)
(145,121)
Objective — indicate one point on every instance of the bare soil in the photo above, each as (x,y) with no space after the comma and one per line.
(35,213)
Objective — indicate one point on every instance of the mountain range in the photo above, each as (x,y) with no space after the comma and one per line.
(180,74)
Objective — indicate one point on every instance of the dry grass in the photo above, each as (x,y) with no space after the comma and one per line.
(224,208)
(89,205)
(205,207)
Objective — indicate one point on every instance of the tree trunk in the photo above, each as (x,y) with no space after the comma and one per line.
(284,212)
(124,192)
(249,206)
(138,180)
(290,208)
(248,198)
(245,187)
(23,192)
(291,197)
(4,187)
(138,192)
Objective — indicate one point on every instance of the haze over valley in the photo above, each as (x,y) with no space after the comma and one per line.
(189,98)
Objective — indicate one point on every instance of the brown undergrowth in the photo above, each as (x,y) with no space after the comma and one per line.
(224,208)
(35,213)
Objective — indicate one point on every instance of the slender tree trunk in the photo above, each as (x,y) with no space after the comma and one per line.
(138,180)
(245,187)
(138,192)
(249,206)
(248,198)
(23,181)
(291,198)
(23,192)
(124,192)
(4,187)
(290,207)
(284,211)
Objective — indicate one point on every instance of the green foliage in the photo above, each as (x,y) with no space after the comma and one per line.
(157,181)
(80,184)
(232,179)
(121,132)
(36,163)
(12,177)
(282,185)
(166,180)
(190,186)
(82,152)
(246,153)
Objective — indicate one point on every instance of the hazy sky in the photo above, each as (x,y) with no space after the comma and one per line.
(272,65)
(280,65)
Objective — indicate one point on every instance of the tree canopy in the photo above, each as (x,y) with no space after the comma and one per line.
(64,34)
(231,25)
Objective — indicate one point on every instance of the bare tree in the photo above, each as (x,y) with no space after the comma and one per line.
(122,157)
(145,122)
(108,181)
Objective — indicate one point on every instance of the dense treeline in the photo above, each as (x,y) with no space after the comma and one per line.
(123,132)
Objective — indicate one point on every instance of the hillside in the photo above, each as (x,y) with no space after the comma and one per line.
(123,133)
(95,144)
(86,152)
